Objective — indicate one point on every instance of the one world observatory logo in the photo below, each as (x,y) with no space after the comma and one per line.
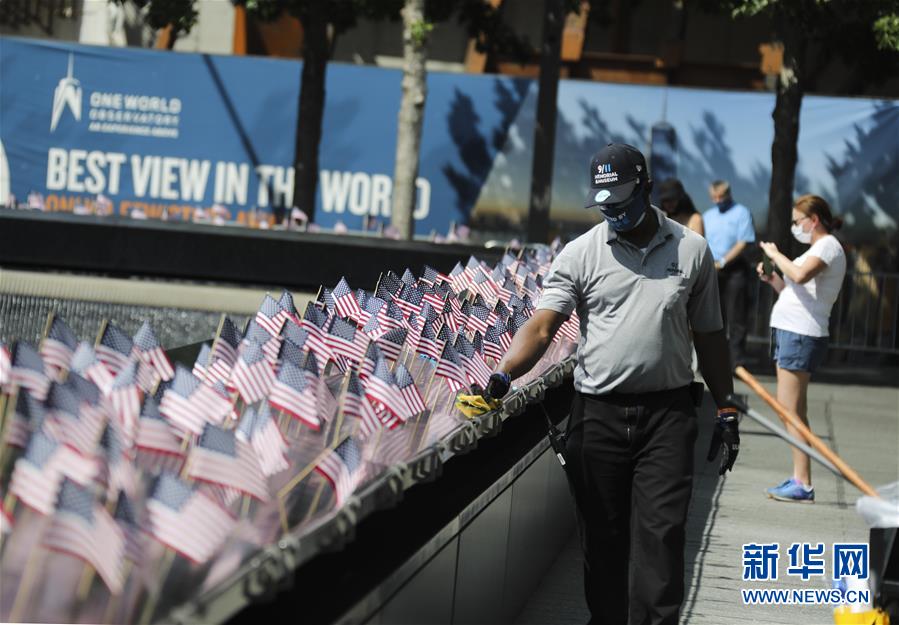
(66,94)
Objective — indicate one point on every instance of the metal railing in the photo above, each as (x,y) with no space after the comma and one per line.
(865,317)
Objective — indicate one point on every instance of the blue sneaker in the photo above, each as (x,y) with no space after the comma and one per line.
(792,490)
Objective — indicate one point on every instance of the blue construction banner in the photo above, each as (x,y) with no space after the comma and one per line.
(159,133)
(165,134)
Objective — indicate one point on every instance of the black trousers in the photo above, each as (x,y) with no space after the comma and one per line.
(630,464)
(733,290)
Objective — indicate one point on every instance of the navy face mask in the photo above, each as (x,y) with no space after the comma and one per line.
(723,205)
(627,215)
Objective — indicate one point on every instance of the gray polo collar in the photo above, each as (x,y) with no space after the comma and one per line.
(664,231)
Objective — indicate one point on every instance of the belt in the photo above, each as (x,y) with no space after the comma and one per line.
(629,399)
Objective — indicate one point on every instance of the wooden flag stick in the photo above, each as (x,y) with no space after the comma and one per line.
(338,422)
(792,419)
(32,567)
(112,604)
(50,317)
(315,500)
(85,583)
(101,332)
(218,333)
(303,474)
(165,567)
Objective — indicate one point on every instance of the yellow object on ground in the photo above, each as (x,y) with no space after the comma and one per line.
(844,616)
(476,405)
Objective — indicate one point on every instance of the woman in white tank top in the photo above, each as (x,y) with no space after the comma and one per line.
(799,321)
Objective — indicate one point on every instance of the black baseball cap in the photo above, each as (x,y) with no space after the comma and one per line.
(615,171)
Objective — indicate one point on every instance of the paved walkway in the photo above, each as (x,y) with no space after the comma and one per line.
(861,423)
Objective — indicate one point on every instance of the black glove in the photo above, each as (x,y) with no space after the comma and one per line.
(726,436)
(498,385)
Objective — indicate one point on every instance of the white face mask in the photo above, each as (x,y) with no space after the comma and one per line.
(801,235)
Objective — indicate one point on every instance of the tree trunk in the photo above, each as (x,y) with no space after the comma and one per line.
(411,116)
(312,106)
(545,128)
(787,107)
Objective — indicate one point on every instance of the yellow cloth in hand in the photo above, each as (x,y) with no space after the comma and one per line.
(476,405)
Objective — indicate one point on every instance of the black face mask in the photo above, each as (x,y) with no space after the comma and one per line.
(627,215)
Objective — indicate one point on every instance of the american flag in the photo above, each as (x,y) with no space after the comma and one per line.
(311,365)
(458,278)
(224,347)
(116,470)
(344,340)
(479,318)
(431,275)
(427,342)
(482,285)
(220,458)
(388,284)
(202,362)
(430,296)
(355,404)
(252,376)
(27,416)
(125,399)
(517,321)
(343,468)
(85,363)
(258,428)
(288,309)
(27,369)
(408,277)
(372,327)
(381,388)
(392,316)
(79,428)
(326,298)
(291,353)
(475,368)
(314,322)
(82,528)
(501,311)
(449,368)
(59,345)
(445,334)
(157,444)
(570,329)
(5,365)
(530,286)
(362,297)
(375,308)
(6,520)
(392,343)
(270,344)
(126,518)
(35,478)
(345,301)
(294,393)
(269,315)
(291,331)
(372,355)
(189,404)
(409,299)
(477,340)
(414,400)
(185,520)
(114,348)
(155,365)
(429,312)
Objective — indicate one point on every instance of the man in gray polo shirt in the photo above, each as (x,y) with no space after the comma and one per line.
(644,288)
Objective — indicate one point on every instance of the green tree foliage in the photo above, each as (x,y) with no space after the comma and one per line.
(863,34)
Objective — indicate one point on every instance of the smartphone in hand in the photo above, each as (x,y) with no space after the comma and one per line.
(767,265)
